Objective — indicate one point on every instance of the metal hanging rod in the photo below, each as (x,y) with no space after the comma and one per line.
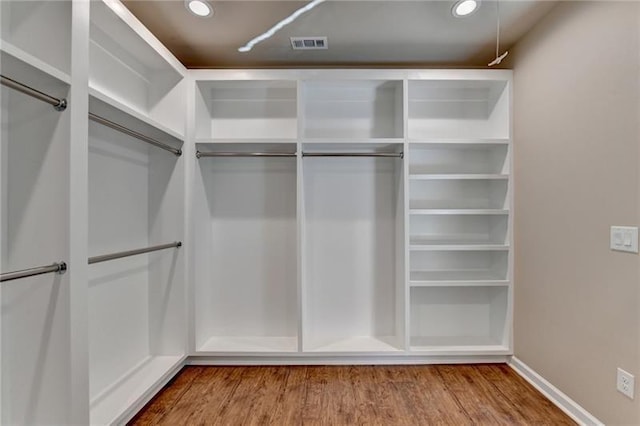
(118,255)
(58,104)
(147,139)
(58,267)
(354,154)
(245,154)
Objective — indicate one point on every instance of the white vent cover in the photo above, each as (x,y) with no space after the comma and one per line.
(309,43)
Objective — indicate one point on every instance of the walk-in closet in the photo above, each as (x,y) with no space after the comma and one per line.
(184,219)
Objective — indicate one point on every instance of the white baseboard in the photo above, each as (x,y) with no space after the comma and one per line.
(562,401)
(359,359)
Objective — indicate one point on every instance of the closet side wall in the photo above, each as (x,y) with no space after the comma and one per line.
(576,173)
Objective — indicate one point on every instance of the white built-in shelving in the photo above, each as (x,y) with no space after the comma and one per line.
(352,109)
(246,110)
(128,70)
(459,319)
(34,208)
(460,207)
(136,304)
(458,108)
(363,251)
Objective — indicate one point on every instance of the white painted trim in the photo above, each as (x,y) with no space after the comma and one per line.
(344,360)
(148,395)
(555,395)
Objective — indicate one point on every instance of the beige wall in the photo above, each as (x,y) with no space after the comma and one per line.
(576,171)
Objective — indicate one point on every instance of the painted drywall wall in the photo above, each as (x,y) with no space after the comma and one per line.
(576,171)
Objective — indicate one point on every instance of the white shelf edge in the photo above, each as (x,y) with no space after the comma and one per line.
(355,344)
(457,176)
(461,349)
(34,62)
(458,247)
(458,212)
(212,141)
(478,283)
(133,112)
(445,141)
(372,141)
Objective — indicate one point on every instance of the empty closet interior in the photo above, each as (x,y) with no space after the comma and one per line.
(353,243)
(239,215)
(246,288)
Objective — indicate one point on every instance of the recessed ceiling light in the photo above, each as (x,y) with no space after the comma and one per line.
(465,8)
(199,7)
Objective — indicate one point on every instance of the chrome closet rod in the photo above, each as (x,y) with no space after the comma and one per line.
(120,254)
(59,267)
(58,104)
(147,139)
(354,154)
(245,154)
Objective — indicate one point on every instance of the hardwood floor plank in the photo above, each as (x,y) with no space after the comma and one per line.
(530,403)
(165,401)
(350,395)
(208,393)
(289,406)
(430,399)
(270,390)
(478,397)
(315,405)
(239,407)
(340,401)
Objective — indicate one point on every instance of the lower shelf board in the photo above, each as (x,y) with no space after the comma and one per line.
(133,387)
(250,344)
(466,344)
(457,275)
(356,344)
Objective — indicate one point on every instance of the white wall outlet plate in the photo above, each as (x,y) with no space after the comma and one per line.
(624,238)
(625,383)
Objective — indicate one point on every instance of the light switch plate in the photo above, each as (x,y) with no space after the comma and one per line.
(624,238)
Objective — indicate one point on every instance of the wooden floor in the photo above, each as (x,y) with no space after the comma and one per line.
(350,395)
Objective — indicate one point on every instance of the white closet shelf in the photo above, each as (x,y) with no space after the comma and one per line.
(474,283)
(355,141)
(138,384)
(457,277)
(245,141)
(457,176)
(458,345)
(356,344)
(479,212)
(454,240)
(135,114)
(250,344)
(455,142)
(16,62)
(443,246)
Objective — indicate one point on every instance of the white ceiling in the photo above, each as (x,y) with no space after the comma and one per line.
(393,33)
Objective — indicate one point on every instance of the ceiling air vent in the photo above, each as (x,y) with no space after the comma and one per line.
(309,43)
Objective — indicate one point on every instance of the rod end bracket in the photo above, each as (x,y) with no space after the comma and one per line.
(62,105)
